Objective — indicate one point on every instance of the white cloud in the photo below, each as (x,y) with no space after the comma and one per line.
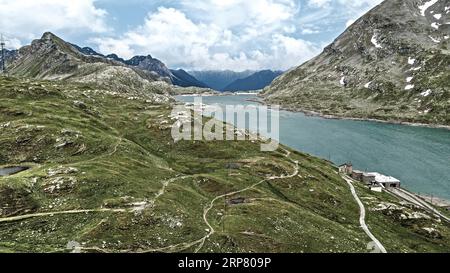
(27,19)
(307,31)
(346,11)
(199,34)
(319,3)
(12,43)
(358,8)
(348,3)
(169,32)
(177,40)
(229,13)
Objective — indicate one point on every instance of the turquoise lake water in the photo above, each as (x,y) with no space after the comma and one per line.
(418,156)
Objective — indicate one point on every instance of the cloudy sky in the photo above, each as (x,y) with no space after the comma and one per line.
(189,34)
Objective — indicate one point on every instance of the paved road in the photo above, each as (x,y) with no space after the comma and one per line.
(362,216)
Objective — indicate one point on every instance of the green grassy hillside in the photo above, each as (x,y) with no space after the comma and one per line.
(106,173)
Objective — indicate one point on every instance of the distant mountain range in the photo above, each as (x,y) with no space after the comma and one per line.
(184,79)
(256,81)
(216,80)
(142,62)
(391,64)
(177,77)
(231,81)
(51,58)
(219,79)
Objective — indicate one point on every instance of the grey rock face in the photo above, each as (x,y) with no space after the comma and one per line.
(51,58)
(150,64)
(184,79)
(393,63)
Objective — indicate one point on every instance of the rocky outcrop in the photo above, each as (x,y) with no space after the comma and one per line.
(51,58)
(391,64)
(184,79)
(150,64)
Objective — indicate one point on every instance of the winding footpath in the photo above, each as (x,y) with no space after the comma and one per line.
(211,231)
(80,211)
(43,214)
(362,216)
(211,204)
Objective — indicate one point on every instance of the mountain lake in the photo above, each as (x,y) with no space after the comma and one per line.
(418,156)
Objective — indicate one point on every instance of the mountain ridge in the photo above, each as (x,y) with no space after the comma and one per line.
(177,77)
(182,78)
(51,58)
(256,81)
(391,64)
(219,79)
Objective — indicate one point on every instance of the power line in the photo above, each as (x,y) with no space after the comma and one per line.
(2,45)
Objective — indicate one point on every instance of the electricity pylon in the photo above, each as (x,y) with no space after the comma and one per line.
(2,47)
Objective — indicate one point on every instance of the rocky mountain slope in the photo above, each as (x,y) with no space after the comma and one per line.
(184,79)
(51,58)
(391,64)
(87,51)
(148,63)
(256,81)
(105,176)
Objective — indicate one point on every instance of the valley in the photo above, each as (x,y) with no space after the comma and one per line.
(415,155)
(110,178)
(89,161)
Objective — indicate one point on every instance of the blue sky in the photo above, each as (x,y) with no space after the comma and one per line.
(189,34)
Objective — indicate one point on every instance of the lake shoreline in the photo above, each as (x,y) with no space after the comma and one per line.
(413,189)
(335,117)
(434,200)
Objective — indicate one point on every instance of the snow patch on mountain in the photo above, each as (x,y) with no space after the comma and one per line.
(435,25)
(434,39)
(423,8)
(375,42)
